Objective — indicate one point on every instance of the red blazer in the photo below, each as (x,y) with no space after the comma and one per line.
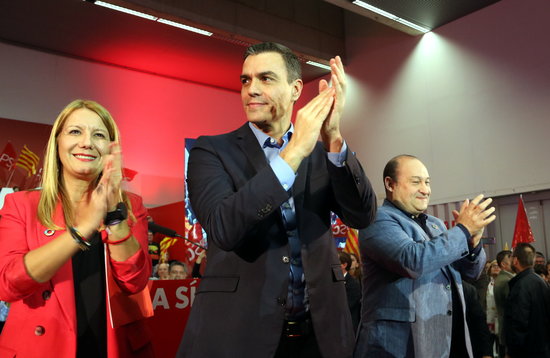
(42,318)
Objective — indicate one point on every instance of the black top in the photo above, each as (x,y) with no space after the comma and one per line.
(527,316)
(89,293)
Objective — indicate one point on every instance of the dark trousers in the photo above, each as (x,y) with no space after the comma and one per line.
(458,338)
(298,341)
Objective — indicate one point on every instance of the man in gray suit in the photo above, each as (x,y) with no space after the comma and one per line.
(501,289)
(413,303)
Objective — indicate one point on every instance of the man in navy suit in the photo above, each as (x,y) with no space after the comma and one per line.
(272,285)
(413,303)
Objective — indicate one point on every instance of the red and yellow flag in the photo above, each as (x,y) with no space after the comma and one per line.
(165,244)
(28,161)
(352,243)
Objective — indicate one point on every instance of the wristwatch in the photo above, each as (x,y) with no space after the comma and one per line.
(116,216)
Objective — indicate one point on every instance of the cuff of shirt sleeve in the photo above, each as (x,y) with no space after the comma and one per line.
(283,172)
(338,159)
(465,231)
(473,251)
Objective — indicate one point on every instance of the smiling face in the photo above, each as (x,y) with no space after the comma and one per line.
(494,269)
(411,189)
(177,272)
(266,94)
(82,144)
(163,271)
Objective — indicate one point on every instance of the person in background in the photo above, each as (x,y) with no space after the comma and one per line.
(539,259)
(542,272)
(527,313)
(413,303)
(178,270)
(153,248)
(197,265)
(353,289)
(68,246)
(500,292)
(163,271)
(264,194)
(480,336)
(355,269)
(491,309)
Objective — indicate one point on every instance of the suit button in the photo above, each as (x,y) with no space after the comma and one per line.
(286,259)
(449,313)
(46,295)
(39,330)
(448,287)
(281,301)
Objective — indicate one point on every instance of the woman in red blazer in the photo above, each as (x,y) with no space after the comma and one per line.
(73,255)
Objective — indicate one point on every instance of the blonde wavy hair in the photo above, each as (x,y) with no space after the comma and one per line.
(53,187)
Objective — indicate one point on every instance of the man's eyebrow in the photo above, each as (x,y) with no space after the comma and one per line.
(268,73)
(419,177)
(261,74)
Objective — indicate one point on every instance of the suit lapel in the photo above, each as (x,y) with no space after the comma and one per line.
(247,142)
(62,281)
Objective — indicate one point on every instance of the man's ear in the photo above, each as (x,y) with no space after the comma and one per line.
(388,184)
(297,87)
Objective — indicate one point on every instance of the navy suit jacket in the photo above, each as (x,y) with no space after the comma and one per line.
(239,307)
(407,278)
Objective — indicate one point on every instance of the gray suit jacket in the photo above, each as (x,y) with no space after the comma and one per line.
(239,307)
(407,296)
(501,291)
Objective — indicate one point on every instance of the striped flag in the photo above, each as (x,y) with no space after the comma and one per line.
(28,161)
(352,242)
(165,244)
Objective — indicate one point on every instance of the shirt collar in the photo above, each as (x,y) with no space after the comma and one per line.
(266,141)
(421,218)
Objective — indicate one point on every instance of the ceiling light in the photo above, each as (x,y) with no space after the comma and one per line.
(125,10)
(391,16)
(317,64)
(151,17)
(185,27)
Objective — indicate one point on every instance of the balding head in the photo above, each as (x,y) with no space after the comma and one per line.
(407,183)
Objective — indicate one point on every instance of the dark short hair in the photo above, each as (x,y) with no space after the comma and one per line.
(540,254)
(502,255)
(345,258)
(541,269)
(390,170)
(178,263)
(293,67)
(525,253)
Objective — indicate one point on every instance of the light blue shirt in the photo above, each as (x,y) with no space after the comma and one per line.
(297,303)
